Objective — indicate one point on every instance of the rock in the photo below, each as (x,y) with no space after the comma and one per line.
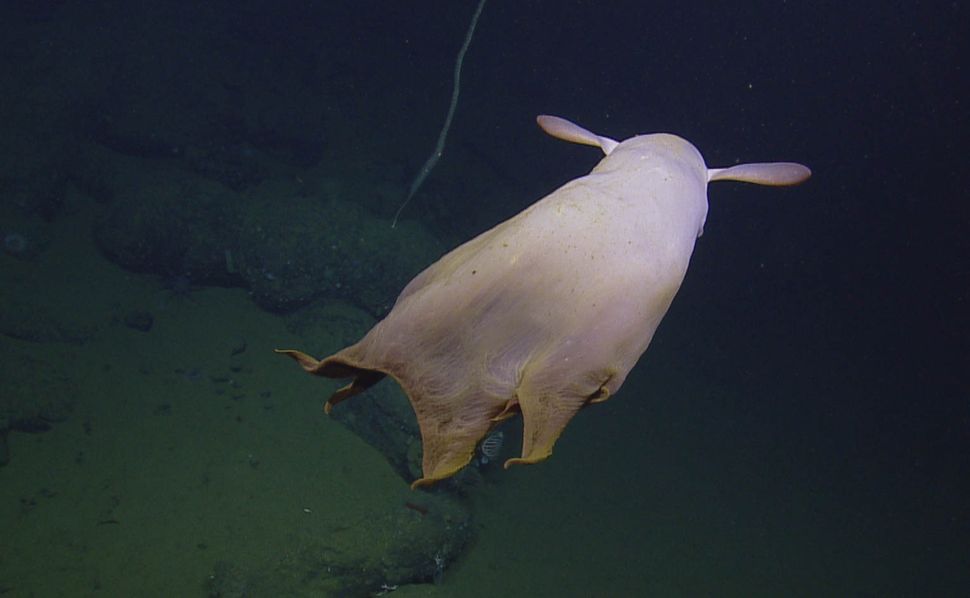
(382,416)
(288,247)
(414,541)
(139,320)
(23,235)
(42,319)
(328,248)
(20,246)
(238,348)
(36,393)
(31,425)
(168,221)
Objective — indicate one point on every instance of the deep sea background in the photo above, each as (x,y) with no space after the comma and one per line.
(800,425)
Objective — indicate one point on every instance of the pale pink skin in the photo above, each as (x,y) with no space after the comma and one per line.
(548,311)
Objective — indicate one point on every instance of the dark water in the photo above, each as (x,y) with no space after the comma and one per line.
(799,426)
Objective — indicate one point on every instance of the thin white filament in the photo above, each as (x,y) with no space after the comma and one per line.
(439,147)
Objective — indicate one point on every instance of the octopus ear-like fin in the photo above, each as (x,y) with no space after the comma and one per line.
(560,128)
(776,174)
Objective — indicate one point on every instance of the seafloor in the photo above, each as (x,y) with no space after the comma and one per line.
(186,186)
(179,460)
